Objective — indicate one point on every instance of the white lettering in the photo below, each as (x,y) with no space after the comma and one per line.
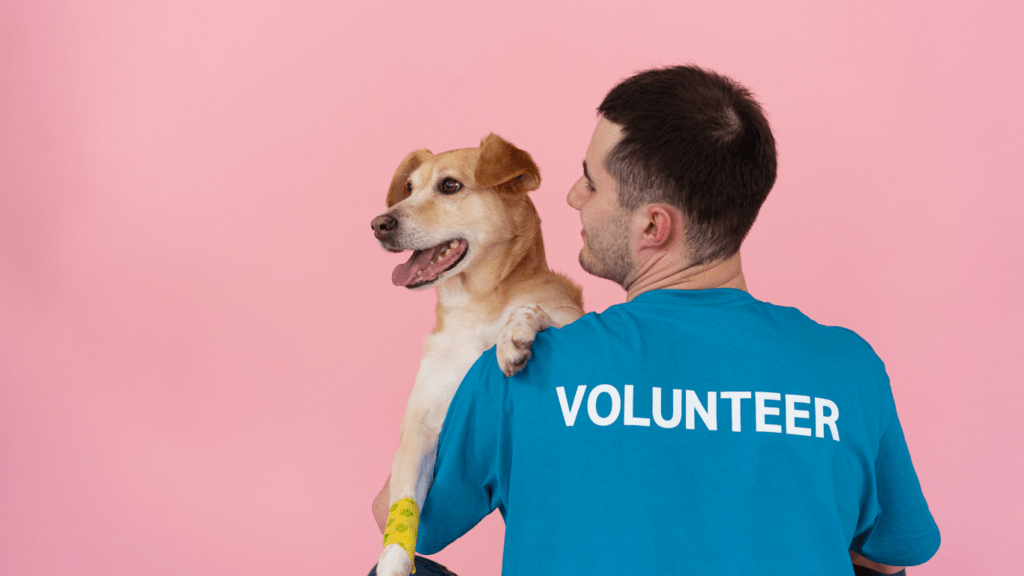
(760,410)
(677,413)
(820,420)
(592,404)
(792,414)
(826,412)
(630,419)
(709,416)
(570,415)
(736,398)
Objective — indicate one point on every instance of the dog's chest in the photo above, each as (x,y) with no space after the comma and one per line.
(466,329)
(449,353)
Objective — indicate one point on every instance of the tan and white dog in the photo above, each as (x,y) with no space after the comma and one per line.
(476,239)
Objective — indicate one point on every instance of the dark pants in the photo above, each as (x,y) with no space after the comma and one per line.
(425,567)
(862,571)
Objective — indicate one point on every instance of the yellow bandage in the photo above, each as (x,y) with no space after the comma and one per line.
(403,523)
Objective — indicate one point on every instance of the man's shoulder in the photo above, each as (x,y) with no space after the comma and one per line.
(829,337)
(758,329)
(586,329)
(785,319)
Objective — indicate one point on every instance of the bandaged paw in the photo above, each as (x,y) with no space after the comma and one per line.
(401,528)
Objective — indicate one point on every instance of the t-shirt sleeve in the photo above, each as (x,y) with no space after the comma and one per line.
(904,532)
(465,477)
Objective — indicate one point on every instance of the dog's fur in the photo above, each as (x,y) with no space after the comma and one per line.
(497,288)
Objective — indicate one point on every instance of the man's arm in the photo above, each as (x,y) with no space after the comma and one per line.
(859,560)
(380,504)
(905,534)
(466,470)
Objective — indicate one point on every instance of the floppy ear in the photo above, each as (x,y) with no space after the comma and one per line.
(398,190)
(505,166)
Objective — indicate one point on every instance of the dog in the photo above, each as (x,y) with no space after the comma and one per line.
(476,239)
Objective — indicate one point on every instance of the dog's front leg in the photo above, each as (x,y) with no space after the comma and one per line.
(523,324)
(410,479)
(413,466)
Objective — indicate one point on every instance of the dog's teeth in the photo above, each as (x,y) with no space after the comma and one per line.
(419,272)
(454,244)
(447,252)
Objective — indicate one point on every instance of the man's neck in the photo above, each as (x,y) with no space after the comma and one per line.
(667,271)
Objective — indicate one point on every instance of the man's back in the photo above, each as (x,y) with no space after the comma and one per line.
(700,431)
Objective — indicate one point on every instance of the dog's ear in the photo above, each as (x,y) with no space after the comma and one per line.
(399,184)
(504,166)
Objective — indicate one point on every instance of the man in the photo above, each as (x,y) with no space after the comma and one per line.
(692,429)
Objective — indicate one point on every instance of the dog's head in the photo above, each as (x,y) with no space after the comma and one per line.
(451,208)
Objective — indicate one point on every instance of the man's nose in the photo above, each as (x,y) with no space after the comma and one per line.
(382,225)
(574,197)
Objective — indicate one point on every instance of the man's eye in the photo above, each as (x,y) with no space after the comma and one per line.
(449,186)
(590,186)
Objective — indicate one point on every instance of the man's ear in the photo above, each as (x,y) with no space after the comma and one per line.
(661,226)
(504,166)
(399,190)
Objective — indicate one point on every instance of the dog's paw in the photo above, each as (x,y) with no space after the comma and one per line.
(394,561)
(515,342)
(514,349)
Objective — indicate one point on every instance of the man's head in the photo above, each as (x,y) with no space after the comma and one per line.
(606,252)
(683,138)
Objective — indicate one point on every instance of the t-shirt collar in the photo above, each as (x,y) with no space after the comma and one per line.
(708,297)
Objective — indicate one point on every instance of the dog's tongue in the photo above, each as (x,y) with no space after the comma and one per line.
(405,274)
(427,265)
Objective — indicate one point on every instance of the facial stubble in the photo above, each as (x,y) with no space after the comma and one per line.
(609,255)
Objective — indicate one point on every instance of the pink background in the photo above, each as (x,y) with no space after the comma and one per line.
(203,362)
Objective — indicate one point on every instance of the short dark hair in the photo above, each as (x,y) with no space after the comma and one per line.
(696,140)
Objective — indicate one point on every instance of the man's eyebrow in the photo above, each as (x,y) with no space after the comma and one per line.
(585,173)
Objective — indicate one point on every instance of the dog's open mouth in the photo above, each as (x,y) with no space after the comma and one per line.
(424,266)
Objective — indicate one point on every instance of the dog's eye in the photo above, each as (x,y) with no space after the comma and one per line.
(449,186)
(408,186)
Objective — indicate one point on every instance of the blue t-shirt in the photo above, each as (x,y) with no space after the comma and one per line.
(700,432)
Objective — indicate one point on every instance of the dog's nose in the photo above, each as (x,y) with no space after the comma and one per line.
(382,225)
